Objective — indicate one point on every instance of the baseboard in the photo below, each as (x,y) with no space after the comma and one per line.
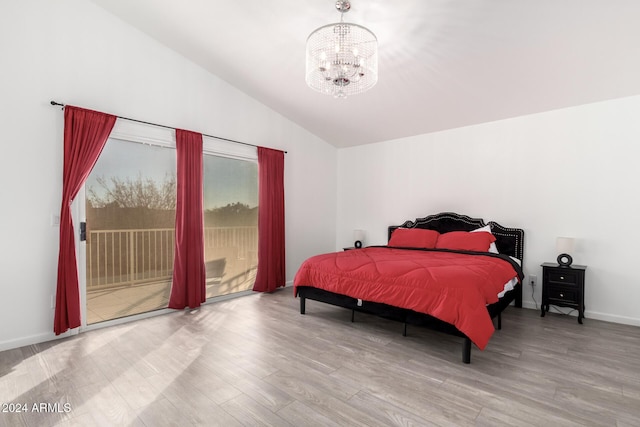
(531,305)
(611,318)
(606,317)
(34,339)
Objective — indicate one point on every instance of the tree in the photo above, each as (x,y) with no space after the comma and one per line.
(134,193)
(234,214)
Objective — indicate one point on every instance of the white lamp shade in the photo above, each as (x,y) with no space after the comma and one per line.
(358,235)
(565,245)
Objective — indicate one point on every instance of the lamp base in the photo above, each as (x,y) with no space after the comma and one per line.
(564,260)
(357,244)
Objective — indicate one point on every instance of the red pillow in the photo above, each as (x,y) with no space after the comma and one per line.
(414,238)
(466,241)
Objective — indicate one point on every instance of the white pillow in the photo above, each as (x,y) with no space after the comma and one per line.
(492,247)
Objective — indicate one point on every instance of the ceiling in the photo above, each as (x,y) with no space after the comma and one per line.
(442,63)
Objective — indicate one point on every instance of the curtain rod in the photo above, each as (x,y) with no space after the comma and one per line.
(54,103)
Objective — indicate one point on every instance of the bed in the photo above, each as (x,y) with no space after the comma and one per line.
(447,284)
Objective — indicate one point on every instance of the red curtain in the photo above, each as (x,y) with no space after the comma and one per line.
(188,287)
(271,261)
(85,134)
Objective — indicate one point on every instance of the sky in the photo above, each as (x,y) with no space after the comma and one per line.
(227,180)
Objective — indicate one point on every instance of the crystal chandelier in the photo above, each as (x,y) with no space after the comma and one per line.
(342,58)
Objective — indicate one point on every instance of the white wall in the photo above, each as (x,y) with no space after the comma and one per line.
(74,52)
(571,172)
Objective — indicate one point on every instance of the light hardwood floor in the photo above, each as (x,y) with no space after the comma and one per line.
(256,361)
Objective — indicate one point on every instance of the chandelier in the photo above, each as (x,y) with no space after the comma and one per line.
(342,58)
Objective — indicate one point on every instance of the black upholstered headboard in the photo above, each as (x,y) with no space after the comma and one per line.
(509,241)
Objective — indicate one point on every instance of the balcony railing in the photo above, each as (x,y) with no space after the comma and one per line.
(119,258)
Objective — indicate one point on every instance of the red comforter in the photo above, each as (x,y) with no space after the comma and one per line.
(451,286)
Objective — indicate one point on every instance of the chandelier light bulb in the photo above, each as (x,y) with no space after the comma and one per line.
(342,58)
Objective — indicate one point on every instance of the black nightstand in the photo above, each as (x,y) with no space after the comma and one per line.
(563,286)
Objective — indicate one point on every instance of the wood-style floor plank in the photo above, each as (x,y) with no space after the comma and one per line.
(255,360)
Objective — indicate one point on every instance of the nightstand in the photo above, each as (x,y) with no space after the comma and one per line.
(563,286)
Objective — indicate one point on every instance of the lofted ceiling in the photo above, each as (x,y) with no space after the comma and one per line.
(442,63)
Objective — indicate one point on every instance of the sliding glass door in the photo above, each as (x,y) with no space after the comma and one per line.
(130,223)
(231,224)
(130,216)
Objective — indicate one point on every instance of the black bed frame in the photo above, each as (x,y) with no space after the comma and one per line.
(509,241)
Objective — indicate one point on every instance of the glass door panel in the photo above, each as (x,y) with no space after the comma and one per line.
(231,224)
(130,215)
